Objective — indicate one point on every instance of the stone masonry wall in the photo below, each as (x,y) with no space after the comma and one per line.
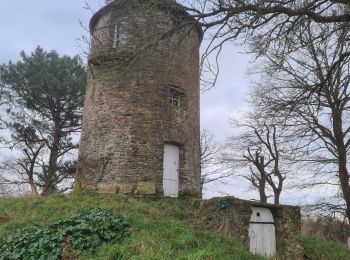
(127,115)
(231,217)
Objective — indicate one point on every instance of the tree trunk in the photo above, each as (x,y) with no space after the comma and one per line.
(34,190)
(344,183)
(277,194)
(342,158)
(262,185)
(50,185)
(259,160)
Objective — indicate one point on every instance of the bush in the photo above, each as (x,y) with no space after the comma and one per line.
(78,235)
(327,228)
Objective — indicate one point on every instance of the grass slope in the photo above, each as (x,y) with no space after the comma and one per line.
(161,229)
(324,249)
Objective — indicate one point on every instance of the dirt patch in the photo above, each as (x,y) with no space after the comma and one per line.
(5,218)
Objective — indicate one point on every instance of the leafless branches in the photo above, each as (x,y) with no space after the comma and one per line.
(264,24)
(260,152)
(212,170)
(317,116)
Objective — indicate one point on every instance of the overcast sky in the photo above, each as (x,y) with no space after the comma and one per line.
(54,25)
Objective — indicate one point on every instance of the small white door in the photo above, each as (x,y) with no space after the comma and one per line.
(171,170)
(262,232)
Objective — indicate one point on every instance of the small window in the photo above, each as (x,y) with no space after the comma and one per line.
(120,34)
(175,96)
(175,99)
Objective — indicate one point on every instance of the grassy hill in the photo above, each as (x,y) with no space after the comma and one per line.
(160,229)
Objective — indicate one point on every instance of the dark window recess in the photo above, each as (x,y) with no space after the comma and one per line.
(258,214)
(176,22)
(176,96)
(175,99)
(120,34)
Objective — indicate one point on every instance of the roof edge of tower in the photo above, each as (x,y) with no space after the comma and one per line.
(171,7)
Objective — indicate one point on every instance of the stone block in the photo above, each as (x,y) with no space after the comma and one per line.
(160,191)
(145,188)
(125,188)
(106,188)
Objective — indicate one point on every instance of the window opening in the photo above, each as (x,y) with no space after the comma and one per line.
(120,34)
(175,99)
(175,96)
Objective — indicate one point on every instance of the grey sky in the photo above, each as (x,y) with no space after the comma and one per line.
(54,25)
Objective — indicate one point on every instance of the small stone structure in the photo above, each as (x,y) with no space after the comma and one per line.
(142,94)
(231,217)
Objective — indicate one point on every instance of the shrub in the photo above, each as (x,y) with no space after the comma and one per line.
(78,235)
(324,227)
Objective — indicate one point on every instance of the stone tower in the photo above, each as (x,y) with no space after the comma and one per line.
(141,112)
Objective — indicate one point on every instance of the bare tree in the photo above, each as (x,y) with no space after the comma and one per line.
(258,180)
(260,153)
(23,170)
(261,24)
(318,11)
(3,188)
(319,119)
(28,164)
(211,167)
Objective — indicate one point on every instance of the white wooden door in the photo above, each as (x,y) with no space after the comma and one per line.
(262,232)
(171,170)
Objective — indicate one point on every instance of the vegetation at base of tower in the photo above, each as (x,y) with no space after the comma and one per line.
(223,204)
(68,238)
(160,228)
(41,109)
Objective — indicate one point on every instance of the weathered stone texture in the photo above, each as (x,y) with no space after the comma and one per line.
(145,188)
(127,113)
(106,188)
(231,217)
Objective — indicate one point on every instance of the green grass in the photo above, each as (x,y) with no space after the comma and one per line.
(324,249)
(160,228)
